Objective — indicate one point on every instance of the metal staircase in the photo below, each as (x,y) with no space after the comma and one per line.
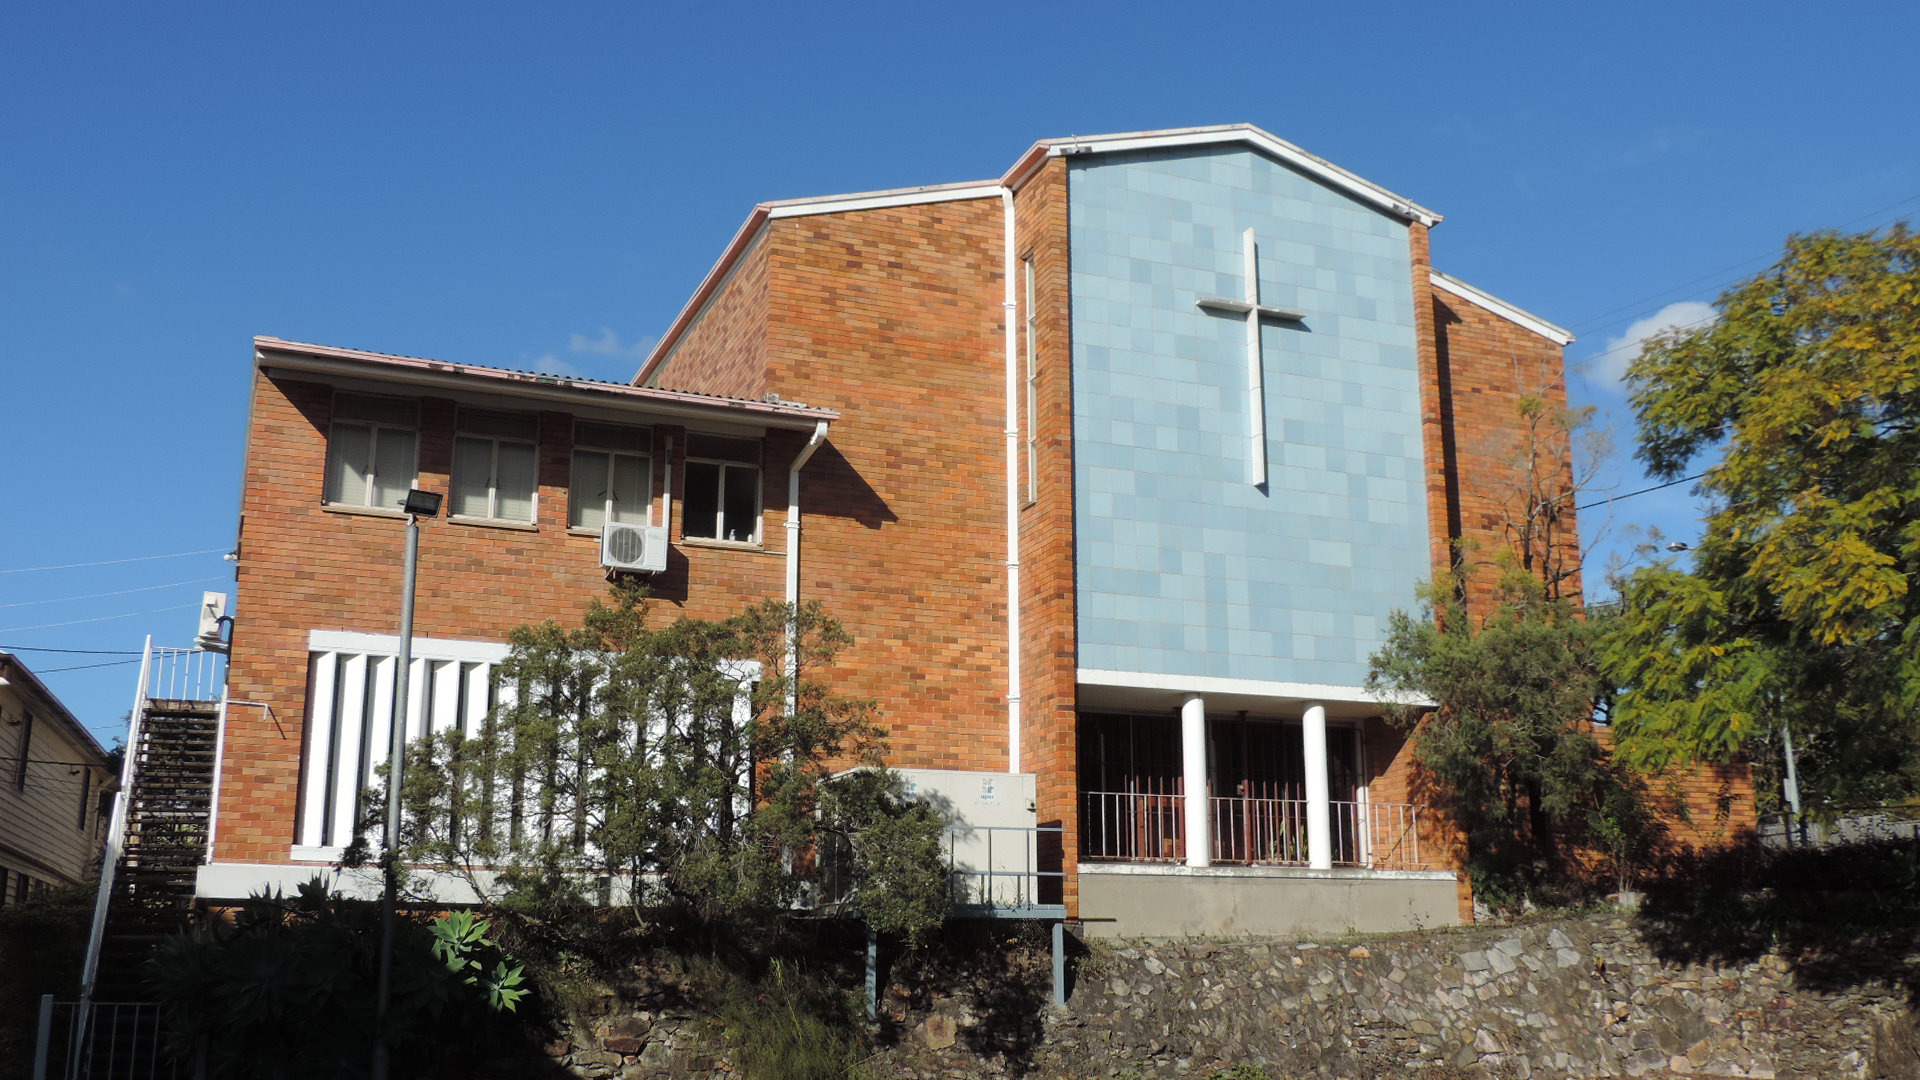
(156,842)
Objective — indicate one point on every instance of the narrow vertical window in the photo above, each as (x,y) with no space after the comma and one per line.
(495,466)
(86,797)
(370,451)
(612,476)
(1033,389)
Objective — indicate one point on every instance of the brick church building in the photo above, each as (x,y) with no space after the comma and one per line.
(1114,466)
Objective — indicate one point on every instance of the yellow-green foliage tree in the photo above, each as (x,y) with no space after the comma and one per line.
(1800,606)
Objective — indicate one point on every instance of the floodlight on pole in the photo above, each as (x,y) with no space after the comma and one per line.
(418,504)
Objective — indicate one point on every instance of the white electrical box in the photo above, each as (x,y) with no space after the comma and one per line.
(994,845)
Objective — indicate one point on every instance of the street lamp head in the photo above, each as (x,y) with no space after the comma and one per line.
(1675,546)
(421,503)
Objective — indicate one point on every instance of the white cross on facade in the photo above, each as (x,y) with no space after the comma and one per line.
(1253,311)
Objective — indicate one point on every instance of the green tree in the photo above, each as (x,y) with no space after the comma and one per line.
(690,767)
(1494,696)
(1803,398)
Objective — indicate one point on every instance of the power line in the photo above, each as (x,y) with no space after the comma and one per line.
(84,667)
(87,652)
(111,562)
(1595,323)
(116,592)
(102,618)
(1642,491)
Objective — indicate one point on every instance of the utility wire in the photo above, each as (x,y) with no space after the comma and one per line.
(87,652)
(111,562)
(102,618)
(1594,322)
(1642,491)
(84,667)
(117,592)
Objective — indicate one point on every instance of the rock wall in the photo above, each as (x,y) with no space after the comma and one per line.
(1582,998)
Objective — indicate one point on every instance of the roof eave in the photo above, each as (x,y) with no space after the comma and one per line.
(1516,315)
(335,360)
(1252,135)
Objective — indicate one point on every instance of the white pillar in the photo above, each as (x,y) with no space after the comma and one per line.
(1313,733)
(1193,766)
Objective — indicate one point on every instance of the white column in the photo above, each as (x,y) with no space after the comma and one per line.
(1313,732)
(1193,765)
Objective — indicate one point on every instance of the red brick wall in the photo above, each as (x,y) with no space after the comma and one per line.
(725,349)
(1048,658)
(303,567)
(894,317)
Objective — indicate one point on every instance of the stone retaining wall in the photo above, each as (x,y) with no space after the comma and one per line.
(1580,998)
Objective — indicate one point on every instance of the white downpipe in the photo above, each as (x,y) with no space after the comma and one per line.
(1193,775)
(1010,311)
(793,562)
(1319,809)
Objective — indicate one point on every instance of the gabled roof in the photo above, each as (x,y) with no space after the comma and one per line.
(334,360)
(27,683)
(1222,134)
(1450,284)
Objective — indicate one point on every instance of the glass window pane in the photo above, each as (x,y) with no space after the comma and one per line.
(349,457)
(632,483)
(472,475)
(702,511)
(587,495)
(746,451)
(611,436)
(519,476)
(505,424)
(742,510)
(396,412)
(393,465)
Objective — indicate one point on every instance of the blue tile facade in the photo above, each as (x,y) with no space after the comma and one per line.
(1184,567)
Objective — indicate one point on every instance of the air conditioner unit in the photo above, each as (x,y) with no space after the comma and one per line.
(633,548)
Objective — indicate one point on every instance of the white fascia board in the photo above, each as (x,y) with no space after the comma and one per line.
(880,200)
(1213,684)
(424,647)
(1451,284)
(1272,144)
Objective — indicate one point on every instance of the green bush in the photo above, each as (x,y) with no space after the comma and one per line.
(43,943)
(287,991)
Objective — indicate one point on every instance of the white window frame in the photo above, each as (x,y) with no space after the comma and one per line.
(727,466)
(374,428)
(494,442)
(581,445)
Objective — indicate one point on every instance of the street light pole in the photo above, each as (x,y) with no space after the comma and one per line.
(417,504)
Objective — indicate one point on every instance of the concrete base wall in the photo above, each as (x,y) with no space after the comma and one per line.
(1175,901)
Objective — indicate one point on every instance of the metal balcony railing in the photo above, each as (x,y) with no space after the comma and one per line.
(1132,827)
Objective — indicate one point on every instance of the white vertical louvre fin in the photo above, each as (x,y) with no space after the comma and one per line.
(319,739)
(346,751)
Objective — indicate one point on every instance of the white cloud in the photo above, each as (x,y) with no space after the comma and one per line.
(1611,362)
(609,344)
(549,364)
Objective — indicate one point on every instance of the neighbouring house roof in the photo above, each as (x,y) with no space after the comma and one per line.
(275,353)
(1248,134)
(30,686)
(1451,284)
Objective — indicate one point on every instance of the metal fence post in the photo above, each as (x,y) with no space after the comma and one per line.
(43,1037)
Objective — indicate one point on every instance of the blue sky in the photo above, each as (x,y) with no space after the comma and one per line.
(527,186)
